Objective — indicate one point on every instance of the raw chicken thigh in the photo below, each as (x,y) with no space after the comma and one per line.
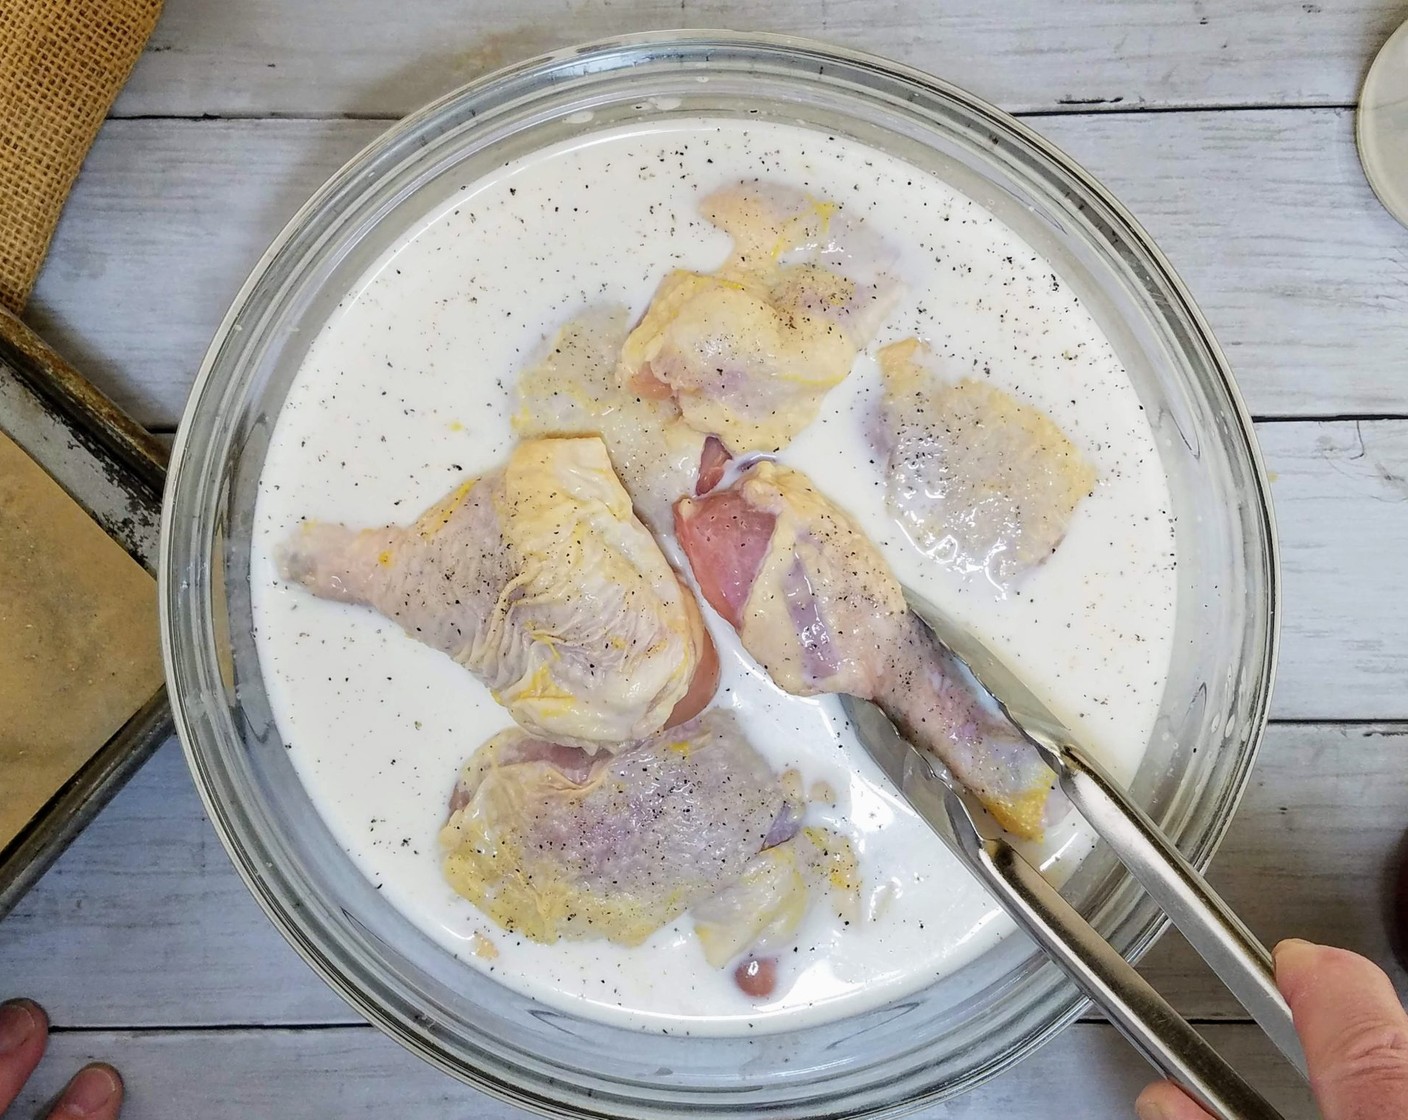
(552,843)
(749,351)
(815,603)
(977,480)
(573,391)
(538,578)
(761,911)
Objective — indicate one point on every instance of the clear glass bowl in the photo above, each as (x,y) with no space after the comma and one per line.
(960,1030)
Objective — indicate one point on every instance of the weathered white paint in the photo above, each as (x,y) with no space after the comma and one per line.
(1341,495)
(255,57)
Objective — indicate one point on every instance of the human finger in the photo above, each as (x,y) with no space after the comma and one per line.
(1163,1100)
(95,1093)
(24,1031)
(1353,1029)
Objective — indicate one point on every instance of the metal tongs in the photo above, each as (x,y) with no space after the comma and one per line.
(1143,1016)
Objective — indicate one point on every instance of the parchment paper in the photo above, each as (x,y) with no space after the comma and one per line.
(79,651)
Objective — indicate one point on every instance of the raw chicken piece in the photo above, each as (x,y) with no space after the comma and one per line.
(748,352)
(553,843)
(573,391)
(761,911)
(977,480)
(816,604)
(758,912)
(537,578)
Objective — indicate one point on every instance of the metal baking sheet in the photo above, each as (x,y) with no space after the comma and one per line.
(115,470)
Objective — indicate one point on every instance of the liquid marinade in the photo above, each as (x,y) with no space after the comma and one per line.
(409,389)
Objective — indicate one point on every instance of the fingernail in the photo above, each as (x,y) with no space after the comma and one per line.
(1290,945)
(91,1088)
(1151,1110)
(18,1023)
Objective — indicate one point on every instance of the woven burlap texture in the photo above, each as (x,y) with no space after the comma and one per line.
(61,64)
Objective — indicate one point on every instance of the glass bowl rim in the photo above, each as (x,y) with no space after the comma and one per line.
(304,935)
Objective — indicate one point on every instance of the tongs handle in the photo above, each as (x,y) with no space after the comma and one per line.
(1143,1016)
(1215,932)
(1219,936)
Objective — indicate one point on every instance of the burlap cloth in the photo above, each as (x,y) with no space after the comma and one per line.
(61,65)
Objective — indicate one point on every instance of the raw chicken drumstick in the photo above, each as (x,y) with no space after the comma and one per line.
(538,578)
(817,606)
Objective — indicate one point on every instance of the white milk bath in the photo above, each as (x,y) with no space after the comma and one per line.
(408,391)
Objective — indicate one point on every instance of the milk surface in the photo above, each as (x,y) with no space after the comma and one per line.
(407,392)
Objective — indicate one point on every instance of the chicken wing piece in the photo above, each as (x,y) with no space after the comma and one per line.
(977,480)
(573,391)
(553,843)
(817,606)
(538,578)
(748,352)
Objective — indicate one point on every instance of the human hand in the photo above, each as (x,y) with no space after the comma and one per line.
(1353,1029)
(95,1093)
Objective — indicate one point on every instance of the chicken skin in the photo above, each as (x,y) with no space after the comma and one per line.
(817,606)
(554,843)
(976,480)
(573,391)
(748,352)
(539,579)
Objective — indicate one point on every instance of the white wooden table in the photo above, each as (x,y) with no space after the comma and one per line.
(1228,129)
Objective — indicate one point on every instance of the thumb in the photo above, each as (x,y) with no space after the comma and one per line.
(1354,1031)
